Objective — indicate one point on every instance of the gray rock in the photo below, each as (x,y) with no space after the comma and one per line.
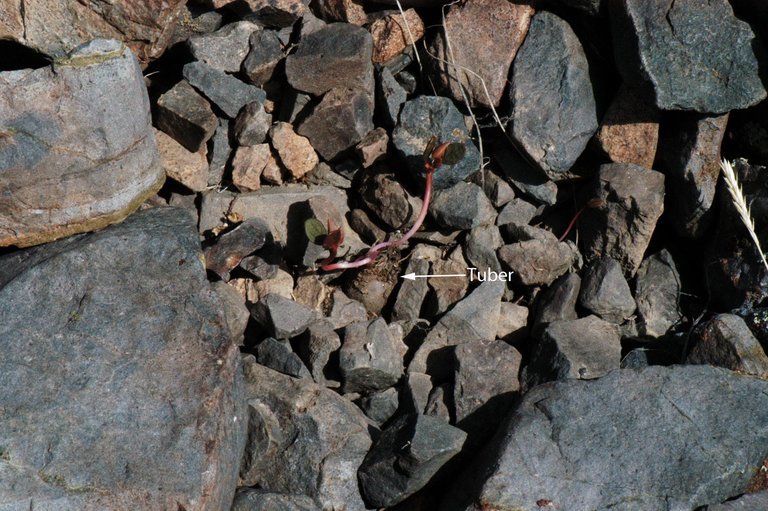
(447,291)
(481,245)
(526,178)
(233,306)
(186,116)
(112,336)
(362,224)
(633,200)
(412,293)
(462,206)
(726,341)
(416,389)
(266,52)
(278,356)
(252,124)
(517,211)
(230,248)
(440,402)
(281,14)
(390,97)
(339,121)
(251,499)
(591,7)
(747,502)
(537,259)
(657,293)
(495,188)
(283,317)
(406,457)
(77,149)
(220,151)
(261,268)
(336,56)
(583,348)
(605,292)
(315,348)
(369,358)
(302,439)
(323,175)
(345,310)
(513,323)
(427,116)
(225,91)
(711,71)
(635,359)
(386,198)
(224,49)
(380,406)
(601,461)
(558,302)
(554,113)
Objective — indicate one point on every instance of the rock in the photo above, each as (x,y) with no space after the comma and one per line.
(407,455)
(350,11)
(390,97)
(251,499)
(315,347)
(281,284)
(629,131)
(78,152)
(296,152)
(487,53)
(386,198)
(661,44)
(462,206)
(416,389)
(537,259)
(248,165)
(272,173)
(427,116)
(513,322)
(691,161)
(283,317)
(193,21)
(322,174)
(225,91)
(394,33)
(336,56)
(558,302)
(372,147)
(77,382)
(381,406)
(278,356)
(312,292)
(726,341)
(481,245)
(252,124)
(273,13)
(583,348)
(450,290)
(439,404)
(412,293)
(369,358)
(186,116)
(233,306)
(220,151)
(372,285)
(346,311)
(657,293)
(743,503)
(527,179)
(633,200)
(517,211)
(361,223)
(303,439)
(605,292)
(495,188)
(265,54)
(224,49)
(619,415)
(231,247)
(475,318)
(189,169)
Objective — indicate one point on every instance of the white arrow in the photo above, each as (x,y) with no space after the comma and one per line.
(413,276)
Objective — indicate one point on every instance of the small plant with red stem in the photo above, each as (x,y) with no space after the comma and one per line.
(435,155)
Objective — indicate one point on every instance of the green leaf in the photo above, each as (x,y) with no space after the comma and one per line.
(314,230)
(454,153)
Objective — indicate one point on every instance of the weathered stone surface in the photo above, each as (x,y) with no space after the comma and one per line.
(602,460)
(709,71)
(230,248)
(303,439)
(296,152)
(558,302)
(337,56)
(488,52)
(350,11)
(554,113)
(495,188)
(462,206)
(315,347)
(605,292)
(633,200)
(746,502)
(390,97)
(265,54)
(538,258)
(629,130)
(283,317)
(281,284)
(657,293)
(248,165)
(386,199)
(233,306)
(272,13)
(251,499)
(448,291)
(369,357)
(517,211)
(225,91)
(252,124)
(405,457)
(77,152)
(345,310)
(527,179)
(691,161)
(726,341)
(394,33)
(513,322)
(189,169)
(220,151)
(186,116)
(76,383)
(411,295)
(224,49)
(380,406)
(439,404)
(481,245)
(373,146)
(279,356)
(427,116)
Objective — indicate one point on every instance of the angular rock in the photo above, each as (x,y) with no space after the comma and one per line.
(189,169)
(619,416)
(405,457)
(554,128)
(746,502)
(220,151)
(517,211)
(252,124)
(281,284)
(341,120)
(248,165)
(390,97)
(311,291)
(296,152)
(605,292)
(657,293)
(381,406)
(386,198)
(322,174)
(495,188)
(251,499)
(462,206)
(272,173)
(427,116)
(266,52)
(229,249)
(527,179)
(283,317)
(558,302)
(726,341)
(411,295)
(439,403)
(708,71)
(583,348)
(373,146)
(77,151)
(76,382)
(537,259)
(350,11)
(225,91)
(633,200)
(315,347)
(513,322)
(272,13)
(415,393)
(369,357)
(302,439)
(394,33)
(345,310)
(364,226)
(186,116)
(233,306)
(336,56)
(224,49)
(481,245)
(448,291)
(488,53)
(278,356)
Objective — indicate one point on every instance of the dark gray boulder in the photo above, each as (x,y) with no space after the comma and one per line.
(186,116)
(278,355)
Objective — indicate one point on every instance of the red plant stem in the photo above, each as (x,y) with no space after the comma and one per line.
(570,225)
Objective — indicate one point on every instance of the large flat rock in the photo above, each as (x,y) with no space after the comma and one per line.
(120,387)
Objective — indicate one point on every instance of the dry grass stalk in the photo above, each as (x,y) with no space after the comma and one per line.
(740,202)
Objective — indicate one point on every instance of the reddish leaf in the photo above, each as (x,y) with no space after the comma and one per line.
(334,239)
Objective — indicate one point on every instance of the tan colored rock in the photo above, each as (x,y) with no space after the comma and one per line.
(272,173)
(312,292)
(188,168)
(629,132)
(390,34)
(247,166)
(372,146)
(296,153)
(449,291)
(281,284)
(350,11)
